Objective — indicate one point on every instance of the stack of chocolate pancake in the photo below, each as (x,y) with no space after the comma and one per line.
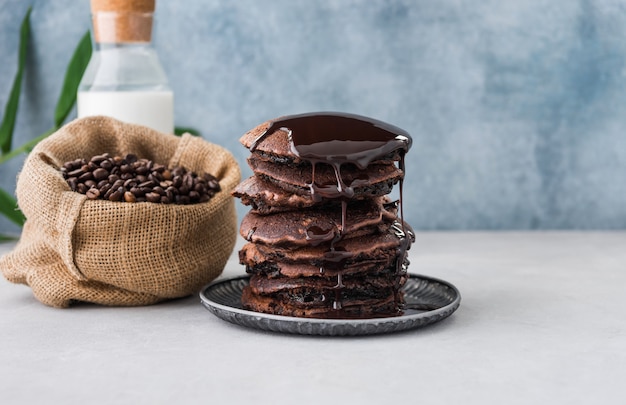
(324,239)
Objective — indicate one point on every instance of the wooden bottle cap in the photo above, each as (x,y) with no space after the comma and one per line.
(116,21)
(137,6)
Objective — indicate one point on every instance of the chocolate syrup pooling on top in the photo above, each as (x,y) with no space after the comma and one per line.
(336,139)
(341,138)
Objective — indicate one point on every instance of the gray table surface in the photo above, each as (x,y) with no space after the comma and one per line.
(542,320)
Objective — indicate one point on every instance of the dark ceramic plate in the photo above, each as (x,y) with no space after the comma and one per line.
(428,300)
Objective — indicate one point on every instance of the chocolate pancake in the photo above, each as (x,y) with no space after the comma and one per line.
(376,180)
(321,292)
(264,195)
(317,225)
(378,247)
(317,305)
(273,269)
(266,198)
(360,285)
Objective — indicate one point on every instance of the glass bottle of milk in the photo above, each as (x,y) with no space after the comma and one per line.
(124,78)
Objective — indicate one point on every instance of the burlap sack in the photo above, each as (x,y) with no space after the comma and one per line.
(116,253)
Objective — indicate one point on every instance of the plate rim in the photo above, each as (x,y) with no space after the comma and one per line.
(283,318)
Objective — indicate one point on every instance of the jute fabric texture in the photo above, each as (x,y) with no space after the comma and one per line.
(73,249)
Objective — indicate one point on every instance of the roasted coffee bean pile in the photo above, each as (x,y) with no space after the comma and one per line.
(131,179)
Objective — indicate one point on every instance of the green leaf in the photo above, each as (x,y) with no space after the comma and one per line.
(27,147)
(73,75)
(10,110)
(183,130)
(67,99)
(7,238)
(8,208)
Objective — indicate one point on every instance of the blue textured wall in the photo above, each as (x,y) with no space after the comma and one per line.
(516,107)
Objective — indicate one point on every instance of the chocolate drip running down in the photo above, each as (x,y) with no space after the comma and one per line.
(337,139)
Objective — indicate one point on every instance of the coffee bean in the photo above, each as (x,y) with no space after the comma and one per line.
(188,181)
(200,188)
(93,193)
(85,176)
(72,182)
(109,191)
(158,190)
(118,183)
(98,158)
(148,183)
(81,188)
(130,183)
(104,189)
(153,197)
(131,179)
(117,194)
(129,197)
(100,174)
(213,184)
(75,173)
(106,164)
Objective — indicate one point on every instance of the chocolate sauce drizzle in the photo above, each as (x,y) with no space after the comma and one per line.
(336,139)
